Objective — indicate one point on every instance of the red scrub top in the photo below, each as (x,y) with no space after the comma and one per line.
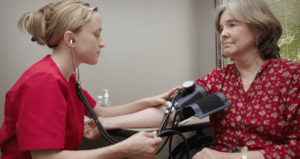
(42,111)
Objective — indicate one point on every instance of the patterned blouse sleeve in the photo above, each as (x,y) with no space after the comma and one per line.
(208,82)
(291,147)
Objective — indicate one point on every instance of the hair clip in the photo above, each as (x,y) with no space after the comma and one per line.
(33,39)
(86,7)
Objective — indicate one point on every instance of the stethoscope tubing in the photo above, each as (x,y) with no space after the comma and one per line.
(109,138)
(162,131)
(94,116)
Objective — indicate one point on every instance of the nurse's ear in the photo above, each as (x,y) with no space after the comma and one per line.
(69,39)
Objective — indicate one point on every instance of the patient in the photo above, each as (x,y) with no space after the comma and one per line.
(264,90)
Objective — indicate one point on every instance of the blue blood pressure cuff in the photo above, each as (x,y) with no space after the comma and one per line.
(207,105)
(200,103)
(184,100)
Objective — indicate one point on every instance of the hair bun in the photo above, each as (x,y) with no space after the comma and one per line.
(49,23)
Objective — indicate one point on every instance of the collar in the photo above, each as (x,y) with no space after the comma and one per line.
(264,66)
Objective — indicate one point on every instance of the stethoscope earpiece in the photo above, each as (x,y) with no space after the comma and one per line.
(71,42)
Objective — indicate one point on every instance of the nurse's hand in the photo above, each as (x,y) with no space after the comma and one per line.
(207,153)
(142,145)
(90,130)
(162,98)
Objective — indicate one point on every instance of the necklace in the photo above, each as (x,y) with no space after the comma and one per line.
(243,113)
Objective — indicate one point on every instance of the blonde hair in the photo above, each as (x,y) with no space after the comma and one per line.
(49,23)
(257,15)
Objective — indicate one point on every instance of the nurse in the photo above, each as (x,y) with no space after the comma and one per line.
(44,118)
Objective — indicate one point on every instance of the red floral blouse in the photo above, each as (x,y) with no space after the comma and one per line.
(271,120)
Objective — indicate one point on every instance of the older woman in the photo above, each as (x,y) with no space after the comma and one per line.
(263,89)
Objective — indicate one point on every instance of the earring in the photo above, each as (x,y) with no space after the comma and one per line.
(257,41)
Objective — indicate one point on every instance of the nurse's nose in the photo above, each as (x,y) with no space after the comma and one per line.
(101,43)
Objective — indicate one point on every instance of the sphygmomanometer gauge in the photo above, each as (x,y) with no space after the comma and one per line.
(188,86)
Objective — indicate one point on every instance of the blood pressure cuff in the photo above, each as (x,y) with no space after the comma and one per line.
(205,106)
(184,100)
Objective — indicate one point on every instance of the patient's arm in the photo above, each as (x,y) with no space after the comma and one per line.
(150,117)
(136,106)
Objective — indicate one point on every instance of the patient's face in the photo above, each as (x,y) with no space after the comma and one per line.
(236,36)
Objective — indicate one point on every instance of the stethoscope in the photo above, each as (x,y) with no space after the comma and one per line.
(86,103)
(162,131)
(188,87)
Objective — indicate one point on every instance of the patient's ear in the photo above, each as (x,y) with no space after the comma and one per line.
(258,32)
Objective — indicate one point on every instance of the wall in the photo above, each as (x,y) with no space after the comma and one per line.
(206,34)
(151,46)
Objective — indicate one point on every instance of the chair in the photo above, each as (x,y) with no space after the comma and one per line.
(196,141)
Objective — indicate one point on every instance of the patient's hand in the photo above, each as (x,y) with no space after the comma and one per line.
(90,130)
(213,154)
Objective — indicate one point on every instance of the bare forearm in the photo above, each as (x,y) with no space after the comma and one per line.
(126,108)
(150,117)
(249,154)
(254,155)
(136,106)
(207,153)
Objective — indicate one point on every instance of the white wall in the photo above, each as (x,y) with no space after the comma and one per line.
(151,46)
(206,35)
